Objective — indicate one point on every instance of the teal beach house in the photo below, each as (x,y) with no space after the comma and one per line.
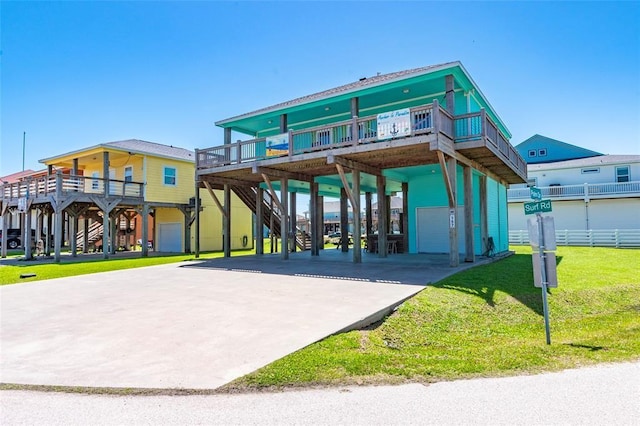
(427,135)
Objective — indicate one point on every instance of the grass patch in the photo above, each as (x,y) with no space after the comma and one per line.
(486,321)
(10,274)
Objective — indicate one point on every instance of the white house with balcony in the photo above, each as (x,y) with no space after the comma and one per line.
(595,197)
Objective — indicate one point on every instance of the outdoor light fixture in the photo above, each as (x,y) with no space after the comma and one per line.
(405,91)
(327,108)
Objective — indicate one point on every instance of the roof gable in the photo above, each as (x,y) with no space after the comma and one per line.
(17,176)
(153,148)
(541,149)
(132,146)
(380,93)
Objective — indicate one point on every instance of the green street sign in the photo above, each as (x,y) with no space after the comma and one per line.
(536,193)
(543,206)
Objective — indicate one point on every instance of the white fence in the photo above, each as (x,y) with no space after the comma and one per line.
(620,238)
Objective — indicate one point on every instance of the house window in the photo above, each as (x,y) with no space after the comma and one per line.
(323,137)
(532,153)
(542,152)
(95,183)
(170,176)
(590,170)
(622,174)
(128,174)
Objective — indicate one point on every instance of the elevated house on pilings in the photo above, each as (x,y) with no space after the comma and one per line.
(429,134)
(123,192)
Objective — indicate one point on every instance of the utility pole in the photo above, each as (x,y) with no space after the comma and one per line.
(24,137)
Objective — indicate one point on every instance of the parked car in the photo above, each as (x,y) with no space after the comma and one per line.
(335,237)
(14,238)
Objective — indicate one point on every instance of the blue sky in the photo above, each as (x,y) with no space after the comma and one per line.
(75,74)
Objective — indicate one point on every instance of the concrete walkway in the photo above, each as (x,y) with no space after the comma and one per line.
(197,324)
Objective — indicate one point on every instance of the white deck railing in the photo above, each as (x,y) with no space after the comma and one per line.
(621,238)
(585,191)
(60,184)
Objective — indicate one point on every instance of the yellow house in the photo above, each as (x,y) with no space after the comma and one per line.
(136,190)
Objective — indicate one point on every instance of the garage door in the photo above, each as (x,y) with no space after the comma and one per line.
(170,237)
(433,229)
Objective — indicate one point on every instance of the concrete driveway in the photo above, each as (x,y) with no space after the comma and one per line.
(193,325)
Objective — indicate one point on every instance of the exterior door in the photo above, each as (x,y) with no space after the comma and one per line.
(169,237)
(433,229)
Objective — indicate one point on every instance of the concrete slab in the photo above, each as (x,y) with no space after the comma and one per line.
(193,325)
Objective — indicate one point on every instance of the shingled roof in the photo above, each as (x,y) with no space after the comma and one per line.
(586,162)
(153,148)
(136,146)
(350,87)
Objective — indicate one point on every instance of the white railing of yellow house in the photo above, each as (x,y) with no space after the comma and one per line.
(60,185)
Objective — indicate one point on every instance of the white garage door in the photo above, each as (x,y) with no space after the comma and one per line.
(170,237)
(433,229)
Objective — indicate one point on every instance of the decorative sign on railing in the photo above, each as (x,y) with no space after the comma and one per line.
(394,124)
(277,145)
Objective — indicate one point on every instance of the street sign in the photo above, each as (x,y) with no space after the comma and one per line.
(536,193)
(22,204)
(548,233)
(550,270)
(542,206)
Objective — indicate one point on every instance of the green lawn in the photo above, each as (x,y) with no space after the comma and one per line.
(10,274)
(79,266)
(484,322)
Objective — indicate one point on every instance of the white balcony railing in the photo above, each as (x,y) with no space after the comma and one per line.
(61,185)
(584,192)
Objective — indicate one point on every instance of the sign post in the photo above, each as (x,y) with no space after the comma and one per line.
(543,276)
(541,268)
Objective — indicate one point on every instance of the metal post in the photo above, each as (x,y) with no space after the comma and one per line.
(197,219)
(24,145)
(543,273)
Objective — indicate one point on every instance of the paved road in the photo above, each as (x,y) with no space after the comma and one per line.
(602,395)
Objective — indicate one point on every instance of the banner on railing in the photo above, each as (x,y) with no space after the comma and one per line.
(394,124)
(277,145)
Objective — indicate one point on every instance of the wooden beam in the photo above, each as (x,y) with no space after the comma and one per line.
(382,216)
(215,198)
(219,180)
(447,180)
(468,214)
(226,222)
(405,216)
(259,221)
(281,173)
(274,196)
(284,218)
(313,215)
(357,228)
(353,165)
(345,184)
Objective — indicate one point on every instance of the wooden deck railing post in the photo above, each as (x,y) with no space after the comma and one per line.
(483,123)
(435,110)
(354,130)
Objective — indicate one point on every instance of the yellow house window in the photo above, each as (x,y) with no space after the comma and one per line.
(128,174)
(170,176)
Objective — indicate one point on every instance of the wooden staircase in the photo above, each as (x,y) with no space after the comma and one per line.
(95,233)
(248,195)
